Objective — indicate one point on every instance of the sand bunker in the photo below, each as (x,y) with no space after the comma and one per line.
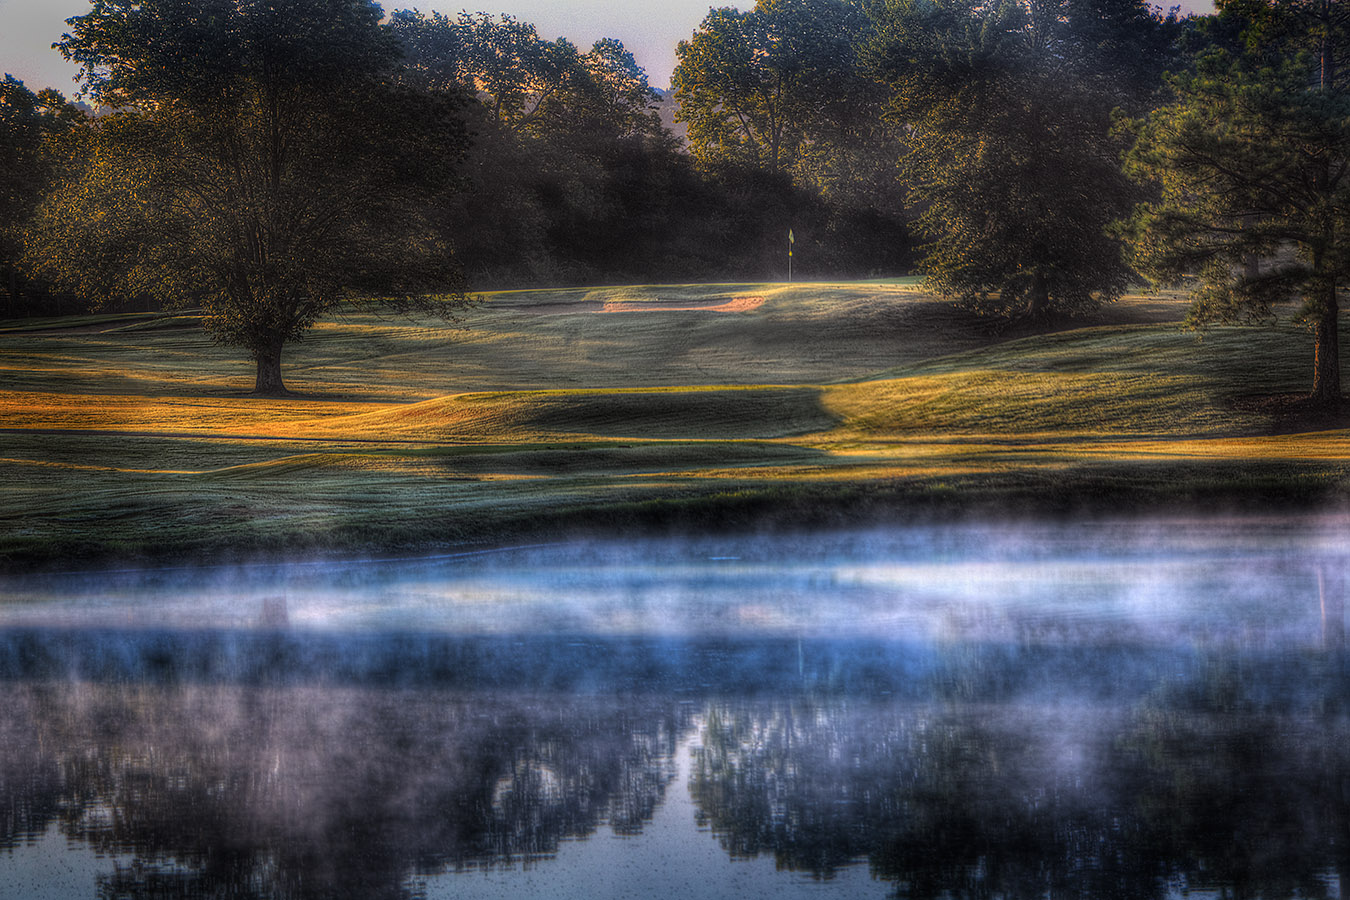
(735,304)
(744,303)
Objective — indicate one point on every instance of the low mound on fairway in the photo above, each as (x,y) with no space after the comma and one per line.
(701,413)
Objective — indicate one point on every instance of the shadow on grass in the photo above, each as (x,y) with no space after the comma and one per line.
(1295,413)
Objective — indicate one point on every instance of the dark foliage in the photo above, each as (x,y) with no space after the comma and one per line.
(261,164)
(32,126)
(1250,161)
(1009,152)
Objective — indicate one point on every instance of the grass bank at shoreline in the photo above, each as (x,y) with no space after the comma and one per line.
(649,409)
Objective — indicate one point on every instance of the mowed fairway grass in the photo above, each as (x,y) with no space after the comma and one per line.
(550,414)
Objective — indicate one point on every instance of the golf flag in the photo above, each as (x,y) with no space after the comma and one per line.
(791,240)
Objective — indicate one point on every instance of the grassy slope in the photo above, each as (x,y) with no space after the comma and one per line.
(621,407)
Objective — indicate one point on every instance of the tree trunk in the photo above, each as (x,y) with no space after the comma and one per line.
(1326,389)
(269,371)
(1038,298)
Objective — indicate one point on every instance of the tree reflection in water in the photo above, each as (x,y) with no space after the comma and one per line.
(950,772)
(308,792)
(1034,801)
(313,792)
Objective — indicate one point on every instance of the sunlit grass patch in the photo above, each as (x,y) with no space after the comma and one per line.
(204,415)
(1017,402)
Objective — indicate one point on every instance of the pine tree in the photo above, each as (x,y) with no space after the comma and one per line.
(1252,162)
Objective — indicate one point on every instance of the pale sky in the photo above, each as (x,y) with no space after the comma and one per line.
(648,28)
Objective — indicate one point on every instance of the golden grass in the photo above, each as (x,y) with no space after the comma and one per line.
(171,414)
(986,401)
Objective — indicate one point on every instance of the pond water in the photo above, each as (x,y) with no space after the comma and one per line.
(1108,710)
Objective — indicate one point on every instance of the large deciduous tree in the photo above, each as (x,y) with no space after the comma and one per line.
(1252,161)
(761,87)
(1005,109)
(259,161)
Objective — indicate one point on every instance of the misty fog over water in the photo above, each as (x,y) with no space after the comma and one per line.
(1105,710)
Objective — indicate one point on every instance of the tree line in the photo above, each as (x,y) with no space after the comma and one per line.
(264,161)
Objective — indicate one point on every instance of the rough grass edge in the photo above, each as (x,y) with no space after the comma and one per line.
(1096,492)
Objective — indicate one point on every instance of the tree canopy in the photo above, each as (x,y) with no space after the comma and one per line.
(31,125)
(758,86)
(1251,159)
(260,162)
(1008,148)
(569,162)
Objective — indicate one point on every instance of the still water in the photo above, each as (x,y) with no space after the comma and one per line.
(1108,710)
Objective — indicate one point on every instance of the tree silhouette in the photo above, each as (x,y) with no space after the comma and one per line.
(259,162)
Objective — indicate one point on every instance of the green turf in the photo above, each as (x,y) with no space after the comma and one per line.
(685,407)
